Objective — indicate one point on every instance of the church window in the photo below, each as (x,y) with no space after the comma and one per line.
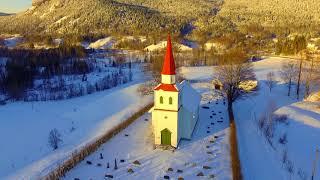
(161,100)
(170,100)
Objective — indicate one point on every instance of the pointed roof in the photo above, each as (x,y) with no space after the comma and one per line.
(169,67)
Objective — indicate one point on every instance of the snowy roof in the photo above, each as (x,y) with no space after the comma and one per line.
(190,97)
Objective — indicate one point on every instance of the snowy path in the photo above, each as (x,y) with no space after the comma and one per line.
(207,152)
(25,127)
(253,148)
(258,159)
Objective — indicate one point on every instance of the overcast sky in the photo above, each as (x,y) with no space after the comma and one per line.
(13,6)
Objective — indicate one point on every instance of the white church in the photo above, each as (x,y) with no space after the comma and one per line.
(176,106)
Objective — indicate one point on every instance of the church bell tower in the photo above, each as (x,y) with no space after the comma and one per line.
(168,74)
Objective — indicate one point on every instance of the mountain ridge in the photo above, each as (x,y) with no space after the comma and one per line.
(211,18)
(96,16)
(5,14)
(106,16)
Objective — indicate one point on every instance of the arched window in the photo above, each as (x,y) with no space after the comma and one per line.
(170,100)
(161,100)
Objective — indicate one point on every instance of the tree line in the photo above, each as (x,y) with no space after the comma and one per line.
(23,66)
(61,88)
(291,46)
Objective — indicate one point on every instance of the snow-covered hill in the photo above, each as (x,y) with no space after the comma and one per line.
(104,43)
(163,44)
(302,137)
(104,17)
(25,127)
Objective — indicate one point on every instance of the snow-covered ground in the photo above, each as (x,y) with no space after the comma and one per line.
(92,114)
(12,42)
(103,76)
(24,129)
(132,38)
(111,42)
(303,137)
(104,43)
(207,152)
(163,44)
(203,73)
(258,158)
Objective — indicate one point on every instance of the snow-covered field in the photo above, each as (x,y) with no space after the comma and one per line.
(12,41)
(24,129)
(104,43)
(258,158)
(25,126)
(303,137)
(206,153)
(203,73)
(163,44)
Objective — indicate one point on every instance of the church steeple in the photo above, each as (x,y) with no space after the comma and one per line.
(169,69)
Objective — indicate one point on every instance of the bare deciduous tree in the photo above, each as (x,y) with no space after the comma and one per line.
(234,69)
(54,139)
(270,80)
(302,174)
(288,73)
(304,55)
(312,76)
(267,122)
(290,168)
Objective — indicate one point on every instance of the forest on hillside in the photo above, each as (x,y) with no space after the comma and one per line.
(261,20)
(155,17)
(58,73)
(283,16)
(90,16)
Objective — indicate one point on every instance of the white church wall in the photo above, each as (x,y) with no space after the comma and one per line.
(165,105)
(162,120)
(168,79)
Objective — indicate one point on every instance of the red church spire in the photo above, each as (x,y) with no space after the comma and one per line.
(169,67)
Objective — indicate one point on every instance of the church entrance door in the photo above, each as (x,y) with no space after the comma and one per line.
(166,137)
